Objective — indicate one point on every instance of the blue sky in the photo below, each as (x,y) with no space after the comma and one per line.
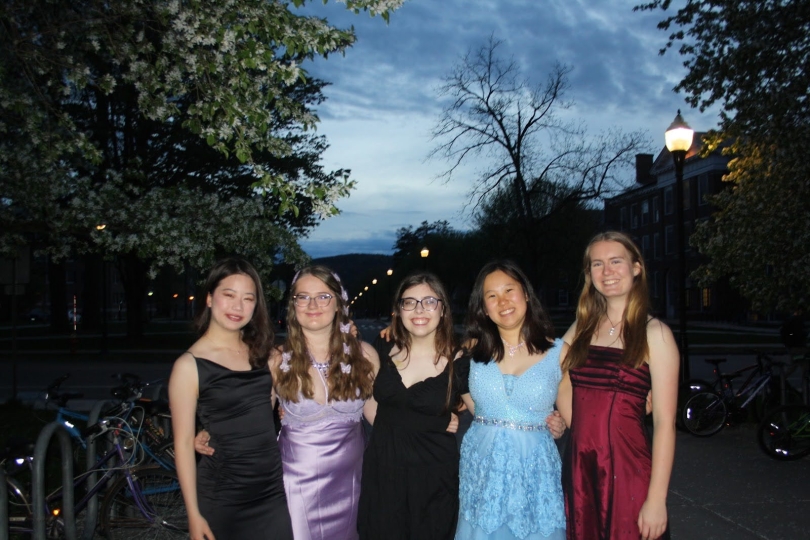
(383,103)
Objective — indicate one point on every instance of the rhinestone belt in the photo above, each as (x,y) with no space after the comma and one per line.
(509,424)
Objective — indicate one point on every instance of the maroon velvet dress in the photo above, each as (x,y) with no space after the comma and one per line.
(606,469)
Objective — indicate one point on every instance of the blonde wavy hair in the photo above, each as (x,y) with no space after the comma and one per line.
(592,307)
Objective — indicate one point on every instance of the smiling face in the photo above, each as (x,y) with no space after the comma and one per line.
(612,269)
(505,300)
(233,302)
(313,317)
(420,322)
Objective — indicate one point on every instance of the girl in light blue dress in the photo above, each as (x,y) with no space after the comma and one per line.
(510,485)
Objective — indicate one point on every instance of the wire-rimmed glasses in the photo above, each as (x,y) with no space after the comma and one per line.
(321,300)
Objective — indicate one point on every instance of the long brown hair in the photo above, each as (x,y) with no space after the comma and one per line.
(537,329)
(257,333)
(444,340)
(358,382)
(592,307)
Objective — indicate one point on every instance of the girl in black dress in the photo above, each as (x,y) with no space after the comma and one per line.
(410,468)
(238,492)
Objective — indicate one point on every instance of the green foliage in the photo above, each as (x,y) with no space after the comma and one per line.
(186,128)
(751,57)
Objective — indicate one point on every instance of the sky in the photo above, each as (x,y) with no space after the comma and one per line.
(382,102)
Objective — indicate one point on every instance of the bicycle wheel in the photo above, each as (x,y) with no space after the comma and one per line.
(784,434)
(686,390)
(154,510)
(704,414)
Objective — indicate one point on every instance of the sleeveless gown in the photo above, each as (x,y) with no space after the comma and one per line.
(322,455)
(609,456)
(240,489)
(510,465)
(410,468)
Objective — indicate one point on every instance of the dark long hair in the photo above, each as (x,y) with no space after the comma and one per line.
(444,340)
(592,306)
(257,333)
(358,383)
(482,334)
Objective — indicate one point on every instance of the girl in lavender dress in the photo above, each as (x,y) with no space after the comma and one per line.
(323,376)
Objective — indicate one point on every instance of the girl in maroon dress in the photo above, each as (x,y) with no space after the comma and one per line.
(616,356)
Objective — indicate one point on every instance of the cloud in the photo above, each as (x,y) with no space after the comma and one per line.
(382,101)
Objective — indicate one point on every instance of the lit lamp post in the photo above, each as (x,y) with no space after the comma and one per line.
(388,273)
(374,300)
(424,253)
(104,342)
(679,141)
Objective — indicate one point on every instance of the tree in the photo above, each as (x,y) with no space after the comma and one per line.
(540,170)
(532,153)
(184,128)
(751,57)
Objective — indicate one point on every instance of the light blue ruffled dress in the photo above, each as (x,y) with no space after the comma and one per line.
(510,483)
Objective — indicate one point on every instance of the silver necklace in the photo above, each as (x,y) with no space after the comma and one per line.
(323,367)
(612,326)
(512,349)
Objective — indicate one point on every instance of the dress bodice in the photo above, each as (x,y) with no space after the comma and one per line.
(525,399)
(309,411)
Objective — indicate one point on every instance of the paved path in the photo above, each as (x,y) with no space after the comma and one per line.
(725,488)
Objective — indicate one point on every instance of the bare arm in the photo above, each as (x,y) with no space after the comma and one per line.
(564,391)
(183,393)
(469,403)
(370,406)
(664,363)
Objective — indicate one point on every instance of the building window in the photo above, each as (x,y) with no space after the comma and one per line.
(656,209)
(687,194)
(655,279)
(657,246)
(645,247)
(703,189)
(645,212)
(562,297)
(669,239)
(706,295)
(623,218)
(634,216)
(669,203)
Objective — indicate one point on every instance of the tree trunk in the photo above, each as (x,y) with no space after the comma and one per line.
(57,290)
(133,277)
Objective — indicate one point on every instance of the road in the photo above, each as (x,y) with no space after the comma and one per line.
(94,376)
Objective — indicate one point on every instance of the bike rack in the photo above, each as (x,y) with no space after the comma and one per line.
(3,505)
(38,480)
(91,516)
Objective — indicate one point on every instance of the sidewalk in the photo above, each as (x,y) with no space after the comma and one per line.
(725,488)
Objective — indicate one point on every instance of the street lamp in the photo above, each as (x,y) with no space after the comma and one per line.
(424,253)
(388,273)
(374,300)
(679,140)
(104,341)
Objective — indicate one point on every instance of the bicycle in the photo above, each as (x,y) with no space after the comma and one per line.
(139,498)
(142,415)
(705,413)
(784,433)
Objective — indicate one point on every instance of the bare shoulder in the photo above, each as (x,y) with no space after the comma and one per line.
(568,337)
(658,333)
(371,355)
(185,362)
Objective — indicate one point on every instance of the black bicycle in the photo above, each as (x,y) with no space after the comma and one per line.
(706,412)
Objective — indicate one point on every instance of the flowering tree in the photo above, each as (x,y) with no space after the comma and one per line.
(750,57)
(183,127)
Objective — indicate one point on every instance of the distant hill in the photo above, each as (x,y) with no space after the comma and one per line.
(356,270)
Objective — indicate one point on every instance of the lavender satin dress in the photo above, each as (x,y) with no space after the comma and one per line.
(322,456)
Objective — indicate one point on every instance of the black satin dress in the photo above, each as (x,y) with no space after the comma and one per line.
(240,490)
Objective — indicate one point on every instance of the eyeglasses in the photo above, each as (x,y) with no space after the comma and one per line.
(428,303)
(303,300)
